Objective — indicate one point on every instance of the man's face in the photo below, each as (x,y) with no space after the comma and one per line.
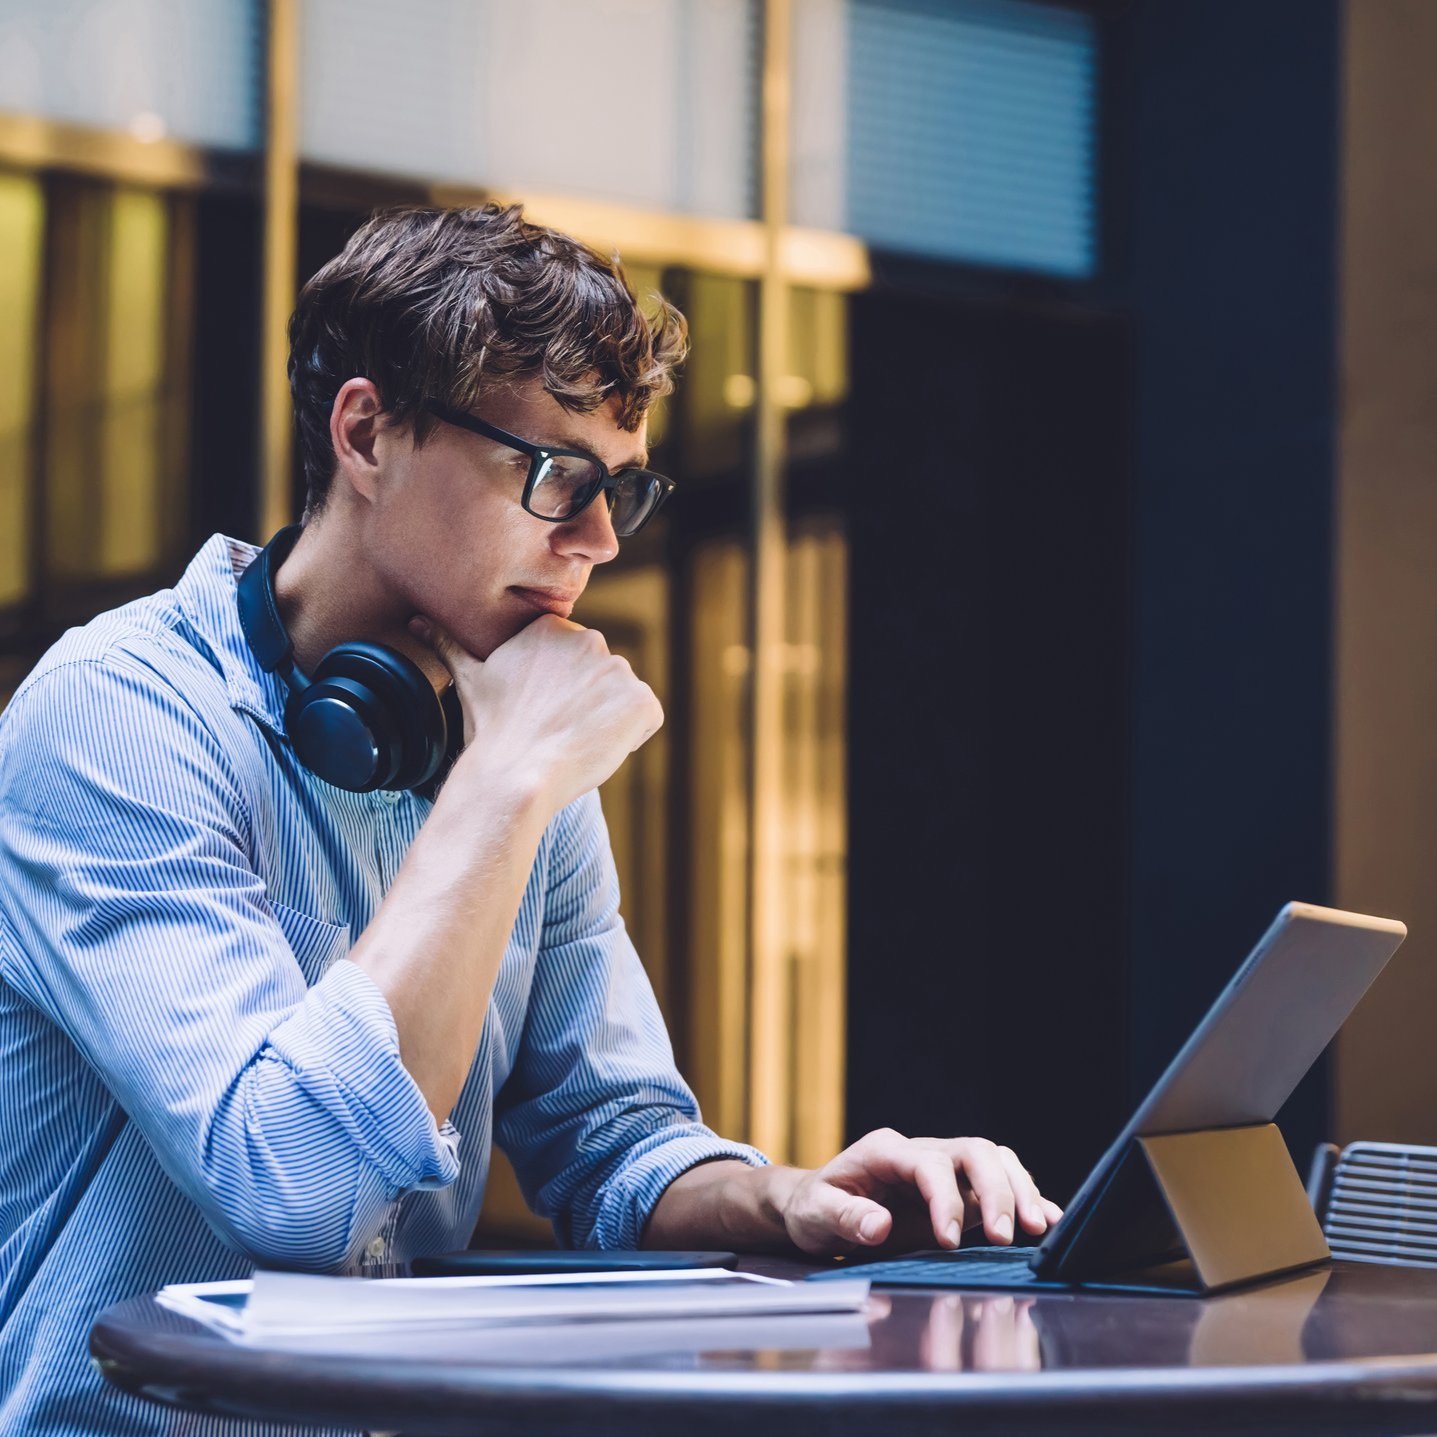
(448,535)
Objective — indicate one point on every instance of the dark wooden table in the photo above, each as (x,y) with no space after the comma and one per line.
(1351,1348)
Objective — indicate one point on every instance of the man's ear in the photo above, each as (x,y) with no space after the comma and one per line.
(354,422)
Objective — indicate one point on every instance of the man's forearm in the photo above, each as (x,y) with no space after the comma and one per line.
(436,943)
(724,1205)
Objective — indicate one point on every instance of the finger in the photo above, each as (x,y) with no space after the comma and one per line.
(1051,1210)
(656,719)
(984,1171)
(972,1203)
(892,1158)
(438,641)
(935,1179)
(1028,1200)
(913,1226)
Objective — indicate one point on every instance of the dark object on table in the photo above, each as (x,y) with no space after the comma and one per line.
(476,1263)
(1377,1202)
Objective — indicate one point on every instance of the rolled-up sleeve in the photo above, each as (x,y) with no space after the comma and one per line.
(132,915)
(595,1117)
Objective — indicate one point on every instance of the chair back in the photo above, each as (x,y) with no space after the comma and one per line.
(1377,1202)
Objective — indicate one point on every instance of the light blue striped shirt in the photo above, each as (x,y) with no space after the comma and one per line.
(194,1080)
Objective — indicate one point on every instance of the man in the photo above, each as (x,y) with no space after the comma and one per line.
(251,1017)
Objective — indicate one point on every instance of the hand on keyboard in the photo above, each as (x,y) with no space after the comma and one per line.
(905,1193)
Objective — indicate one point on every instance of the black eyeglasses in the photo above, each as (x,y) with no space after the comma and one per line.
(562,483)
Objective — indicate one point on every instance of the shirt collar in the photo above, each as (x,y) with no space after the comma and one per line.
(206,593)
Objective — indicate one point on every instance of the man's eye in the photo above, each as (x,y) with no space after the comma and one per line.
(572,470)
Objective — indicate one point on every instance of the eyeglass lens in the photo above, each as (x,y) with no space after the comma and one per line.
(566,483)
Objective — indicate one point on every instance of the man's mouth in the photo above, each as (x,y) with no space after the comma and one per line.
(548,601)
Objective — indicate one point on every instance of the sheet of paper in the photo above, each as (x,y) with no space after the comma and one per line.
(222,1305)
(663,1342)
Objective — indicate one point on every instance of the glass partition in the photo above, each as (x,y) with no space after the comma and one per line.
(154,69)
(957,129)
(650,103)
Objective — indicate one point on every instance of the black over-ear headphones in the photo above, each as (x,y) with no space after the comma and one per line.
(367,718)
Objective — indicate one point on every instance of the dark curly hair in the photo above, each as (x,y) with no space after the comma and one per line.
(432,303)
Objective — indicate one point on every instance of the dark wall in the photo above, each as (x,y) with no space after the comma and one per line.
(224,486)
(1386,761)
(987,734)
(1091,609)
(1231,113)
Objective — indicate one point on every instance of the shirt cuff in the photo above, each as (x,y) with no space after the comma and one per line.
(634,1192)
(342,1046)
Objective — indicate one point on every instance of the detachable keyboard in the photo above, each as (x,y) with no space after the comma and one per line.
(991,1267)
(1006,1269)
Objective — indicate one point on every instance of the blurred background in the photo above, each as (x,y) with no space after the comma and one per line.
(1048,594)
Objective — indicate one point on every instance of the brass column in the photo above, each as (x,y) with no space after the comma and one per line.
(769,1102)
(281,251)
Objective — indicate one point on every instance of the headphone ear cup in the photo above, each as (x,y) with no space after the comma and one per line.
(368,718)
(404,732)
(340,733)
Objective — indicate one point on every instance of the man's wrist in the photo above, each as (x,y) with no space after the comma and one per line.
(755,1201)
(724,1203)
(510,793)
(776,1187)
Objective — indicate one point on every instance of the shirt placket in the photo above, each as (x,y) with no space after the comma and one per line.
(392,833)
(378,1259)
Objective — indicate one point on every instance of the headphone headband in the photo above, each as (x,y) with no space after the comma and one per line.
(258,610)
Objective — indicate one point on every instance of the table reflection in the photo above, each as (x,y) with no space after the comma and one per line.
(980,1334)
(954,1332)
(991,1332)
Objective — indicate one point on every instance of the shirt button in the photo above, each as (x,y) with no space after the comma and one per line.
(376,1248)
(390,795)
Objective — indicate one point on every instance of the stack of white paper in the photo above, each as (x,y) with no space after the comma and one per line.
(287,1308)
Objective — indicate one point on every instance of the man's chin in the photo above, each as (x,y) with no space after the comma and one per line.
(498,633)
(494,629)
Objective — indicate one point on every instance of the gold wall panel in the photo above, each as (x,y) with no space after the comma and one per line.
(114,384)
(133,370)
(719,838)
(800,1075)
(22,222)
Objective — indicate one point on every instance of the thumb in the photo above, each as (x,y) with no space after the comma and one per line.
(848,1216)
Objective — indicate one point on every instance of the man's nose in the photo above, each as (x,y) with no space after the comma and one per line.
(590,535)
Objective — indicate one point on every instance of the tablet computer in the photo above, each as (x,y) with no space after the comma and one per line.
(1270,1024)
(1265,1030)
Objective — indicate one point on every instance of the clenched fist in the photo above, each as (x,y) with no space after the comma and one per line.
(551,709)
